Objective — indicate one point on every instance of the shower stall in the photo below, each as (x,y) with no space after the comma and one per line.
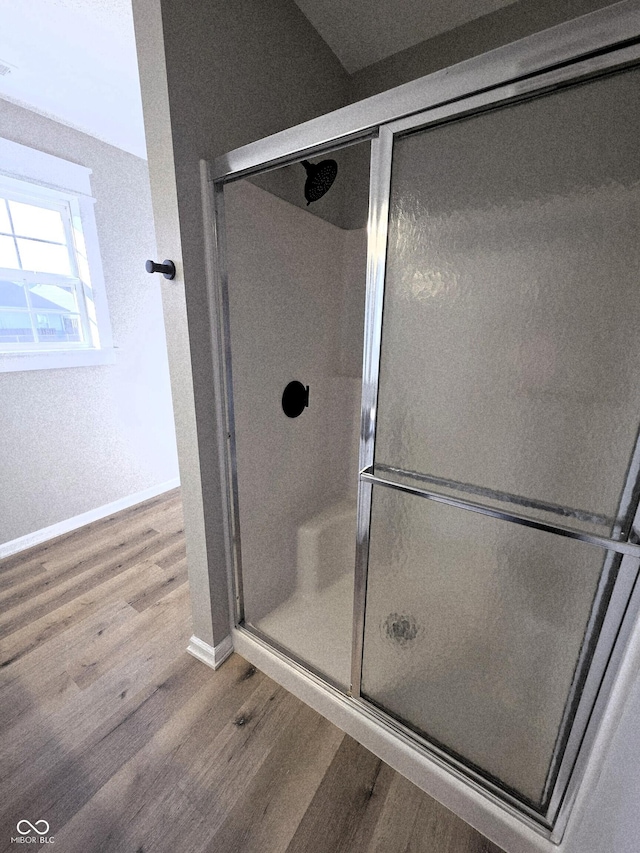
(436,533)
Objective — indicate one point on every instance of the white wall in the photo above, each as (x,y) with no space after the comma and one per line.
(75,439)
(290,274)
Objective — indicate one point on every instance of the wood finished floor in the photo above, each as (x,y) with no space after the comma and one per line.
(119,739)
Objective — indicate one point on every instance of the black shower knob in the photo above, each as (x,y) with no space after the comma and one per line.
(295,399)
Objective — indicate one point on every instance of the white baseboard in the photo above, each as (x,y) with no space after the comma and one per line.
(46,533)
(212,656)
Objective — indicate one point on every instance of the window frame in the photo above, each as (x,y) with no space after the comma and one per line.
(36,177)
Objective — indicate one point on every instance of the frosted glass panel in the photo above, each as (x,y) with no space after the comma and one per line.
(510,353)
(472,632)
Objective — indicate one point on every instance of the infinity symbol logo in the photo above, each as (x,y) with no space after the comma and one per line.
(32,827)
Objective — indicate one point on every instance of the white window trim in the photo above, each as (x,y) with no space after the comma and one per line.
(47,172)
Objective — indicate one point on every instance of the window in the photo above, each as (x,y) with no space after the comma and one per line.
(52,303)
(42,301)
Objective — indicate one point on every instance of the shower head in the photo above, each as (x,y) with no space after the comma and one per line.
(320,176)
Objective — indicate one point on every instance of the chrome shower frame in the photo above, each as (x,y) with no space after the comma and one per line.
(598,44)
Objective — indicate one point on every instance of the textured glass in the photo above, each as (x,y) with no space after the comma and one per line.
(510,353)
(296,302)
(473,629)
(43,257)
(43,223)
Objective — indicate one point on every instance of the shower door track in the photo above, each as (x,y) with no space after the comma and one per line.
(601,43)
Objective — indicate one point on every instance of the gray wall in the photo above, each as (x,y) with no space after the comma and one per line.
(472,39)
(77,438)
(226,73)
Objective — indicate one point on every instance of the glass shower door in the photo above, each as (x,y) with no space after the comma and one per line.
(296,248)
(509,397)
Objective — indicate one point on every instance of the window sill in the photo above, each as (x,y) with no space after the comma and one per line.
(53,359)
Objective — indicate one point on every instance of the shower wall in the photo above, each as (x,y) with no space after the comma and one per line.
(296,305)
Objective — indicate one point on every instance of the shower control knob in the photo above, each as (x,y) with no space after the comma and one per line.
(167,268)
(295,399)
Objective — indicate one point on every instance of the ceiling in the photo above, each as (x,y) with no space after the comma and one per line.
(361,32)
(75,60)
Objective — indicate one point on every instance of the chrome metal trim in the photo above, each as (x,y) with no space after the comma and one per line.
(611,615)
(622,631)
(612,596)
(504,801)
(503,497)
(630,493)
(533,86)
(552,48)
(589,712)
(213,197)
(516,518)
(379,188)
(287,159)
(213,231)
(584,685)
